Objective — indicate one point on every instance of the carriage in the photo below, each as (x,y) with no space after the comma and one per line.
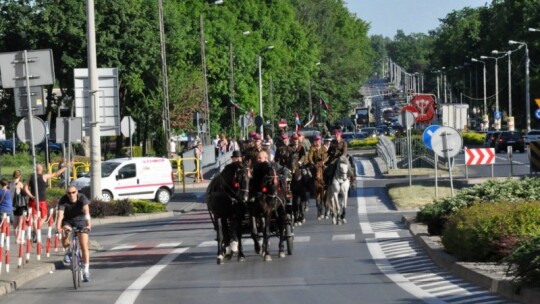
(237,209)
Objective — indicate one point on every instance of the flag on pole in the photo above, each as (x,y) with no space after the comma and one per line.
(323,103)
(297,121)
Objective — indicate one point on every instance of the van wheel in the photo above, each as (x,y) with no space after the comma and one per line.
(163,196)
(106,196)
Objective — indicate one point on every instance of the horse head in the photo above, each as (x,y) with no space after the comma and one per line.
(342,167)
(240,182)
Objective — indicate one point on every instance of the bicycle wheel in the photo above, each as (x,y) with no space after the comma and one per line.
(75,268)
(79,268)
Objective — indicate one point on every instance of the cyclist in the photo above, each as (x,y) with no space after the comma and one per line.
(74,211)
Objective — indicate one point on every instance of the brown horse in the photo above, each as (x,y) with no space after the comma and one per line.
(320,190)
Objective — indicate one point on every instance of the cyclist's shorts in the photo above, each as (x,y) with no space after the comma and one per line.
(76,223)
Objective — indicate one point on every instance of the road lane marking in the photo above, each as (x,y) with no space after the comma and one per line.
(132,292)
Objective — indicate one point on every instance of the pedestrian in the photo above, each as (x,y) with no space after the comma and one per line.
(31,191)
(6,205)
(199,155)
(223,144)
(20,203)
(74,212)
(172,148)
(215,143)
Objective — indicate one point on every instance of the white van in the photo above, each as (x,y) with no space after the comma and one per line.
(135,178)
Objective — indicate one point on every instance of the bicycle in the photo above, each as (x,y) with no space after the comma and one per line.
(75,257)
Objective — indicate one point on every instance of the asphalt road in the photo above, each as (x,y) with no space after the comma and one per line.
(371,259)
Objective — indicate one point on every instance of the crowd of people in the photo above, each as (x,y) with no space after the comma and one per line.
(18,197)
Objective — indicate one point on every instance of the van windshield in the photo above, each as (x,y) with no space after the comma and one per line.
(108,168)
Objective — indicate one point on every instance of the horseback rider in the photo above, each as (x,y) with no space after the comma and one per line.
(338,148)
(283,151)
(297,148)
(252,151)
(317,152)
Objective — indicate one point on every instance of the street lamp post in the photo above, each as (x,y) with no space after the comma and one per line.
(496,119)
(485,91)
(231,83)
(260,84)
(527,87)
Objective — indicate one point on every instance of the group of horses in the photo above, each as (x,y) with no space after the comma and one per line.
(272,205)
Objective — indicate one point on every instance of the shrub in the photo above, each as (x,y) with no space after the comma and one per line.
(363,143)
(476,233)
(99,208)
(524,263)
(140,206)
(473,138)
(435,215)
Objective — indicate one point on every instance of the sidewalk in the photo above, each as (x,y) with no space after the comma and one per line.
(17,277)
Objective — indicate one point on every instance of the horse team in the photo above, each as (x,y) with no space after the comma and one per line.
(267,196)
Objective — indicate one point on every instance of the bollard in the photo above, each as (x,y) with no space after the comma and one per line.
(28,234)
(7,244)
(49,233)
(2,239)
(38,236)
(21,243)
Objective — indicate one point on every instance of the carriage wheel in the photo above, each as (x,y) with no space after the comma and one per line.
(290,238)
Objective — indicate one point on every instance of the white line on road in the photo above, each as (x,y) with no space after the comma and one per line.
(132,292)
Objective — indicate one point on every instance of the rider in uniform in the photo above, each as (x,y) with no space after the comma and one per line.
(317,153)
(296,147)
(338,148)
(283,151)
(252,152)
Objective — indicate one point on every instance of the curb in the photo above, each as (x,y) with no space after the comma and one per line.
(503,287)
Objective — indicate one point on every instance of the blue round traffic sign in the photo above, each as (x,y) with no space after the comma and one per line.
(428,133)
(537,113)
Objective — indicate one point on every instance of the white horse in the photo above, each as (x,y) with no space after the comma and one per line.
(338,191)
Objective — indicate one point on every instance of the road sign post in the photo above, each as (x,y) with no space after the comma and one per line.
(127,127)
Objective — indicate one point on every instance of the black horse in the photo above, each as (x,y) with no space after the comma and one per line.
(267,210)
(298,189)
(226,196)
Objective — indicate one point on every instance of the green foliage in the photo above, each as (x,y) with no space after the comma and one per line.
(524,262)
(474,233)
(141,206)
(473,138)
(100,209)
(161,145)
(436,214)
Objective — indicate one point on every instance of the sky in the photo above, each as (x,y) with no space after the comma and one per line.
(412,16)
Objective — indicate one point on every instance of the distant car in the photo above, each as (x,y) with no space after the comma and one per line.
(371,131)
(6,146)
(510,138)
(533,135)
(54,148)
(491,137)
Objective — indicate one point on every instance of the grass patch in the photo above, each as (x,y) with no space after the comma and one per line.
(418,195)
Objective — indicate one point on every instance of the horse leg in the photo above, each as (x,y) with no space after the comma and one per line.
(219,229)
(255,235)
(281,222)
(295,203)
(266,236)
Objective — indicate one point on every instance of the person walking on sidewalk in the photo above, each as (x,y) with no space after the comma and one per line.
(74,212)
(20,202)
(199,151)
(29,189)
(6,205)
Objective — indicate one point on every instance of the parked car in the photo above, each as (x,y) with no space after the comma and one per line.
(6,146)
(133,178)
(491,137)
(533,135)
(54,148)
(510,138)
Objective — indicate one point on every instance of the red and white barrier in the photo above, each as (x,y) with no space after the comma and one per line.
(49,233)
(28,234)
(22,239)
(2,239)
